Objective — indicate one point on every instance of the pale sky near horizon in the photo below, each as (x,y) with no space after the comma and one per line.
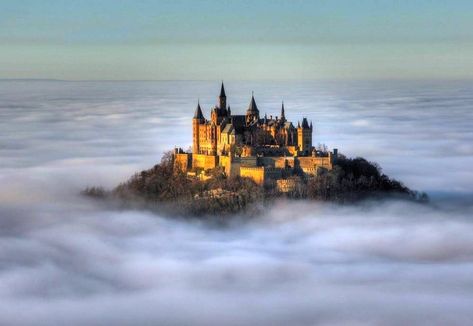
(259,39)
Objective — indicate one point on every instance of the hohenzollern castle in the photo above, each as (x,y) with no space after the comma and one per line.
(269,150)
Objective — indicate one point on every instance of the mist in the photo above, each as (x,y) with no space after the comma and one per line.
(67,260)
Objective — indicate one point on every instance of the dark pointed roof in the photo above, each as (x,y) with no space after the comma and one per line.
(305,124)
(198,112)
(252,108)
(283,116)
(222,91)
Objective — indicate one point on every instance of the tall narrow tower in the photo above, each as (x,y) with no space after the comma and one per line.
(304,137)
(283,114)
(196,122)
(222,98)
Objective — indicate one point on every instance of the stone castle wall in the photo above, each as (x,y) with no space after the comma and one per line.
(205,162)
(310,164)
(183,161)
(263,170)
(255,173)
(231,165)
(260,174)
(277,162)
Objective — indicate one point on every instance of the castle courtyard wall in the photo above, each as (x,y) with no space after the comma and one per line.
(205,162)
(276,162)
(231,165)
(260,169)
(310,164)
(183,161)
(255,173)
(260,174)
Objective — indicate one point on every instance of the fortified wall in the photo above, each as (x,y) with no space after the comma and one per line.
(263,170)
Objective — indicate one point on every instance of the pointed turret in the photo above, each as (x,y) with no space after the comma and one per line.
(252,108)
(222,98)
(197,121)
(222,91)
(198,112)
(283,115)
(252,113)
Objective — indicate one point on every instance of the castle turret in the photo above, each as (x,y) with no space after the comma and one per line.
(304,137)
(222,98)
(196,122)
(252,113)
(283,115)
(219,112)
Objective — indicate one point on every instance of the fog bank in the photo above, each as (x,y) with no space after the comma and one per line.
(68,260)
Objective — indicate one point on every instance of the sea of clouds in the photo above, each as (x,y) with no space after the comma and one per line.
(67,260)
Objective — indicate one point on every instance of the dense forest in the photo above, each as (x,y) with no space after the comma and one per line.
(162,187)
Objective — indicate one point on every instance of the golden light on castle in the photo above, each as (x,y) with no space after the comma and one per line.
(265,149)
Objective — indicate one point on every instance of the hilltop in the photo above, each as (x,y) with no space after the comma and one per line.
(165,188)
(240,162)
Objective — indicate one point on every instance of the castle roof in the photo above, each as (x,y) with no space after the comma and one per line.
(252,108)
(222,91)
(305,124)
(198,112)
(228,129)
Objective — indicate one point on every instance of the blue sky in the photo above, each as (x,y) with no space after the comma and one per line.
(183,39)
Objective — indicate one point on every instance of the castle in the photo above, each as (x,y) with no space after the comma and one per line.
(268,150)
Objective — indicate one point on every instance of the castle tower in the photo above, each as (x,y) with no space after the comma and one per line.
(219,112)
(222,98)
(304,137)
(252,113)
(283,115)
(197,120)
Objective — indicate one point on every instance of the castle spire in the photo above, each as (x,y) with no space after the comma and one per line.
(222,98)
(198,111)
(252,113)
(222,91)
(283,116)
(252,108)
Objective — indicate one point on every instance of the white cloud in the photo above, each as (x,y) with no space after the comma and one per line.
(65,260)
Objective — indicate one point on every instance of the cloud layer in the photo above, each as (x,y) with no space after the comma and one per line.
(65,260)
(386,263)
